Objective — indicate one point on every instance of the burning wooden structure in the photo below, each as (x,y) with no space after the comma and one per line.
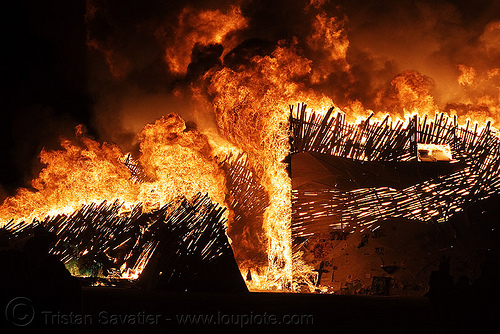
(182,245)
(368,145)
(248,200)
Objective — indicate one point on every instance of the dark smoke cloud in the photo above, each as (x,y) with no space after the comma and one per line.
(386,38)
(430,37)
(127,52)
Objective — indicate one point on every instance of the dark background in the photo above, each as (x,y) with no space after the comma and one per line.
(43,82)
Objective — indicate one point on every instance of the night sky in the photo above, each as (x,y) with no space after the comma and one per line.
(43,82)
(50,81)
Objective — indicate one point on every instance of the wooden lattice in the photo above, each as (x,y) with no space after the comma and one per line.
(478,151)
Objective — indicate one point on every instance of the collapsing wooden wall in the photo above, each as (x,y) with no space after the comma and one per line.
(478,151)
(247,200)
(184,237)
(101,236)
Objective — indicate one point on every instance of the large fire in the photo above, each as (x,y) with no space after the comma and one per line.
(86,171)
(249,94)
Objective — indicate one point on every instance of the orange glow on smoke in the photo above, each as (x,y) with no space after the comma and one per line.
(328,39)
(468,75)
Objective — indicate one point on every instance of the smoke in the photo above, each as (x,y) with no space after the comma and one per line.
(432,38)
(131,63)
(105,63)
(144,55)
(150,59)
(147,60)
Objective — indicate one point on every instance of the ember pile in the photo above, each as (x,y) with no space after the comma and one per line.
(476,153)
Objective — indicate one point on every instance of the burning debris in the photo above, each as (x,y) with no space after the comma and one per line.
(180,246)
(137,173)
(433,152)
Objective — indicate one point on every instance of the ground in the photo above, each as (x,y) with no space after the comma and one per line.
(118,310)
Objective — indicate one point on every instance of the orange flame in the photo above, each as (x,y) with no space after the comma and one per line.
(180,162)
(251,110)
(328,39)
(204,27)
(468,75)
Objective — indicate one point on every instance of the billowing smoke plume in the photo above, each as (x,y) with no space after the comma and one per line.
(436,39)
(147,57)
(115,66)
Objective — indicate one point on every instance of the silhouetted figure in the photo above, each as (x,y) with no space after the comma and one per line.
(53,287)
(4,239)
(364,240)
(41,278)
(440,289)
(320,272)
